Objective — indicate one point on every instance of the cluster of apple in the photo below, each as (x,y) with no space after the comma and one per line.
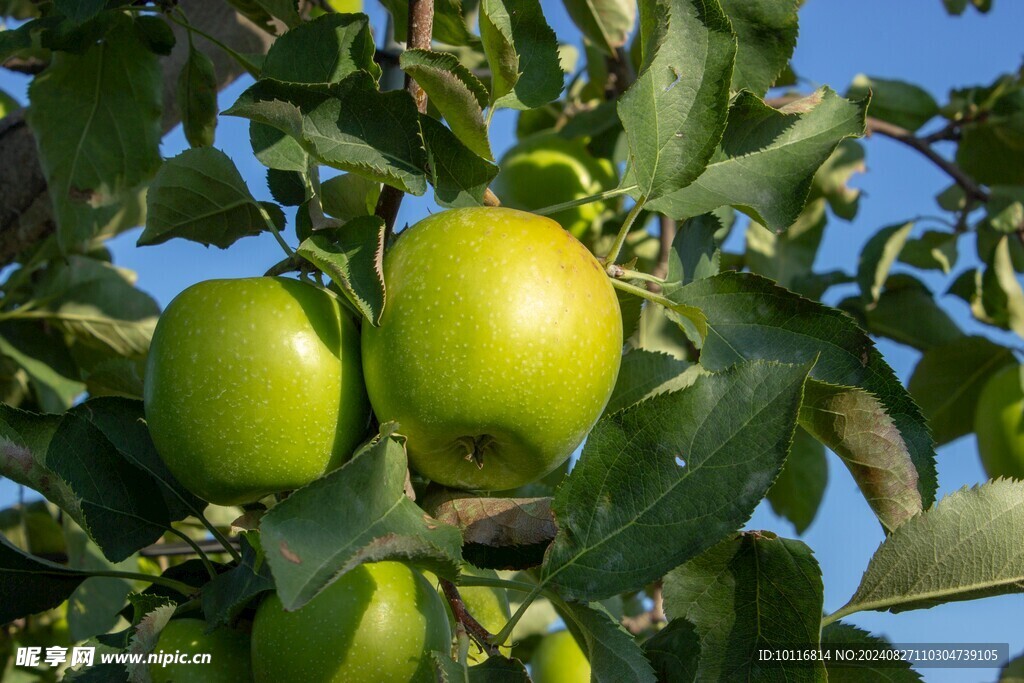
(496,352)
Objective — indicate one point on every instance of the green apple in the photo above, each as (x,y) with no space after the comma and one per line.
(228,650)
(254,386)
(378,622)
(558,659)
(339,6)
(999,424)
(498,348)
(547,169)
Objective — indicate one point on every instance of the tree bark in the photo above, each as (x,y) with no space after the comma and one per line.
(26,215)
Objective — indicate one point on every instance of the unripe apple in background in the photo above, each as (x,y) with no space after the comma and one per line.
(546,169)
(228,650)
(558,659)
(999,424)
(254,386)
(377,622)
(498,347)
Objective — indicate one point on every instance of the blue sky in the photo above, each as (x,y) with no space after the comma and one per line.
(913,40)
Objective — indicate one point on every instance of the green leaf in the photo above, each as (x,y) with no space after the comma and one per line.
(120,507)
(897,102)
(197,98)
(674,652)
(906,312)
(288,188)
(696,250)
(79,10)
(614,655)
(30,584)
(767,159)
(93,607)
(855,426)
(877,258)
(1006,208)
(750,318)
(227,594)
(276,149)
(1013,672)
(605,23)
(645,374)
(455,92)
(155,33)
(352,257)
(495,669)
(887,666)
(948,380)
(96,118)
(44,356)
(787,257)
(753,591)
(992,150)
(832,177)
(331,526)
(199,195)
(263,12)
(662,481)
(323,51)
(522,52)
(348,125)
(97,304)
(1001,294)
(933,250)
(459,176)
(766,33)
(675,112)
(449,24)
(24,439)
(349,196)
(964,548)
(797,493)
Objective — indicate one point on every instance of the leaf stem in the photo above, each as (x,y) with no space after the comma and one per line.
(503,635)
(277,233)
(215,532)
(837,615)
(179,586)
(242,60)
(620,239)
(590,199)
(619,272)
(643,293)
(199,551)
(483,581)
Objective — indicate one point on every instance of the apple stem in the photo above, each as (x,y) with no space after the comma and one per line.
(620,239)
(478,633)
(590,199)
(199,551)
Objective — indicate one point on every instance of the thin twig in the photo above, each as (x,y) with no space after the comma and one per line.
(478,633)
(421,27)
(666,236)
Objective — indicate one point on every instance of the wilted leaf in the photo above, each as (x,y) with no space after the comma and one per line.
(749,318)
